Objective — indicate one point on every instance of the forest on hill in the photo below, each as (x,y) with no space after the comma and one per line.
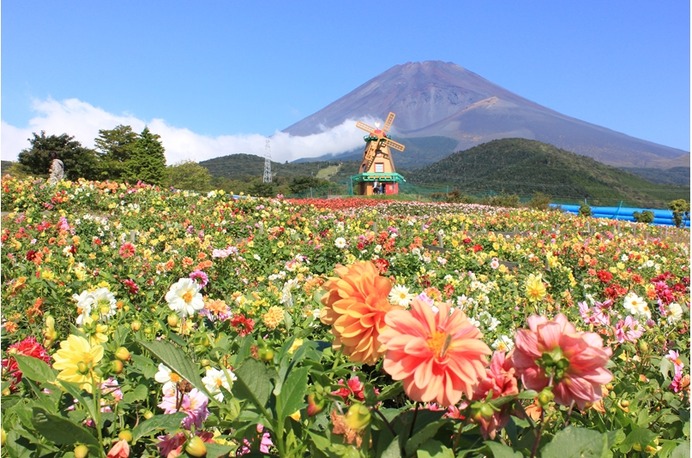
(507,166)
(524,167)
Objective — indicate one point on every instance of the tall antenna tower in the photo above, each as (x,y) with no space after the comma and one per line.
(267,177)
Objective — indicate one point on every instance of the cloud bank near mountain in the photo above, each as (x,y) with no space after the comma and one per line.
(83,121)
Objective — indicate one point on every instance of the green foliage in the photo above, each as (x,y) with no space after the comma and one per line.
(262,189)
(115,147)
(585,209)
(675,175)
(147,162)
(189,175)
(524,167)
(646,216)
(80,162)
(539,201)
(502,200)
(681,211)
(300,185)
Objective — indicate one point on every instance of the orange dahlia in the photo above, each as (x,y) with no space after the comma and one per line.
(355,305)
(438,354)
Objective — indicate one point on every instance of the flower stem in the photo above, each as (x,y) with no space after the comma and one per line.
(413,421)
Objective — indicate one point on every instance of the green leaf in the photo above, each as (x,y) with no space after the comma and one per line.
(292,394)
(140,393)
(217,450)
(144,365)
(423,436)
(501,450)
(81,396)
(253,384)
(393,450)
(176,360)
(681,451)
(158,423)
(574,442)
(640,437)
(527,394)
(434,449)
(666,367)
(62,431)
(35,369)
(391,391)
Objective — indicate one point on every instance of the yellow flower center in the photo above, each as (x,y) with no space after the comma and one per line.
(175,378)
(439,343)
(82,368)
(187,297)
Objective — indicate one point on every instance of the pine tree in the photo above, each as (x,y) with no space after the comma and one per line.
(115,148)
(147,161)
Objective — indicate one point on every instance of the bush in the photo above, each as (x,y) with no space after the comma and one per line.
(646,216)
(539,201)
(503,200)
(585,209)
(681,211)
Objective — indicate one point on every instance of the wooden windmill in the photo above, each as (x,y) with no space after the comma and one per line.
(377,172)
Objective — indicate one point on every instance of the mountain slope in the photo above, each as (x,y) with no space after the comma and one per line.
(523,167)
(438,99)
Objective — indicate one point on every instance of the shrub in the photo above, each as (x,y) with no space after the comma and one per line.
(646,216)
(681,211)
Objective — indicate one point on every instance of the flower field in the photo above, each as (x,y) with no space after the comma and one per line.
(146,322)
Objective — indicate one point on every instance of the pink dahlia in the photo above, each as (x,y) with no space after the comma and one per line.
(439,355)
(553,353)
(498,382)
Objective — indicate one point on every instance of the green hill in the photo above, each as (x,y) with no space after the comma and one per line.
(248,166)
(524,167)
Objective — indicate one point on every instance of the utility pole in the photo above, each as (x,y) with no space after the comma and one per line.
(267,177)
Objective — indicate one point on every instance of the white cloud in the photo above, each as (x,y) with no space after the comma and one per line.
(83,121)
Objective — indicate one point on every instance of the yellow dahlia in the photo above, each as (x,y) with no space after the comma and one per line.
(76,361)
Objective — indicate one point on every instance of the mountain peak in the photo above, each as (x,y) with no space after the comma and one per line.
(435,98)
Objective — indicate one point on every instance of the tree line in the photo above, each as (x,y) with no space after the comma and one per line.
(120,154)
(123,155)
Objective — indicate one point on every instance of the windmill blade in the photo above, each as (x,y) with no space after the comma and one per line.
(369,156)
(388,122)
(365,127)
(395,145)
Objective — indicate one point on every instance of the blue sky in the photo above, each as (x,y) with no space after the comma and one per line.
(217,77)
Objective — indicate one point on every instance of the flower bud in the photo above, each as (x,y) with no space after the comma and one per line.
(195,447)
(117,366)
(482,411)
(357,417)
(266,354)
(125,435)
(315,404)
(545,397)
(123,354)
(173,320)
(81,451)
(136,325)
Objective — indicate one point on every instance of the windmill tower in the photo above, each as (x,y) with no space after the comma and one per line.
(377,174)
(267,176)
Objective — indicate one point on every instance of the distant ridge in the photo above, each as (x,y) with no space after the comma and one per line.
(441,99)
(524,167)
